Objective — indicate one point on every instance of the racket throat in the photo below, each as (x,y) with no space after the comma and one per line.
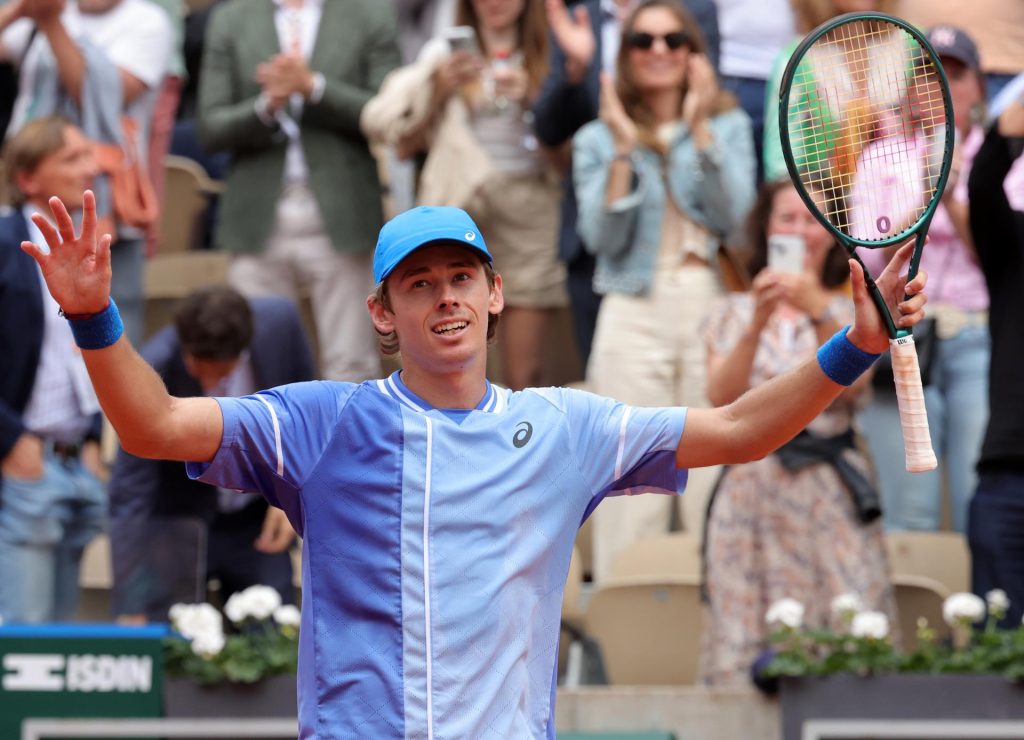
(883,310)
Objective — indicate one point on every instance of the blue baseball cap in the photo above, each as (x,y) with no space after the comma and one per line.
(420,227)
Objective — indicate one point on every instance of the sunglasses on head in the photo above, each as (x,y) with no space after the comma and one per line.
(645,41)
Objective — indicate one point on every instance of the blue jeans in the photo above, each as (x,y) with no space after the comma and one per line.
(996,537)
(957,404)
(751,93)
(45,525)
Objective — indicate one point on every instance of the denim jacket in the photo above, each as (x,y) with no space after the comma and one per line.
(715,188)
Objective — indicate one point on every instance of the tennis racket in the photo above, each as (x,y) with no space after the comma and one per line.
(866,124)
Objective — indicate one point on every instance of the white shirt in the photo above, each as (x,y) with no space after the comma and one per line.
(753,32)
(136,36)
(611,34)
(296,33)
(62,401)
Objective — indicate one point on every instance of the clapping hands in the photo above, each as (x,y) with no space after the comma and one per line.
(282,76)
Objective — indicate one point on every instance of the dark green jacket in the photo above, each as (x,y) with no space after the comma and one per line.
(355,48)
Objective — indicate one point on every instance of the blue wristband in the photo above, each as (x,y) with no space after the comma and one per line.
(841,360)
(99,331)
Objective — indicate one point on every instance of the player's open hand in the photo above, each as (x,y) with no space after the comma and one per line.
(905,301)
(76,268)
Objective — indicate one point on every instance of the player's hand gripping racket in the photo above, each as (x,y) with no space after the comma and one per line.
(866,120)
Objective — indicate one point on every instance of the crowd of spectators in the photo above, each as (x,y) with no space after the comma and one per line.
(619,155)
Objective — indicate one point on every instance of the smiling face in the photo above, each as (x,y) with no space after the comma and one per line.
(789,215)
(657,67)
(438,304)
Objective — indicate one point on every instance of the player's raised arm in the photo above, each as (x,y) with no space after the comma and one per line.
(149,421)
(769,415)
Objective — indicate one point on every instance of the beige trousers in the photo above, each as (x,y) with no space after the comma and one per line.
(300,260)
(648,351)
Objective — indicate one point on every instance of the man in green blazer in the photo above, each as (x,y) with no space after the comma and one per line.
(281,89)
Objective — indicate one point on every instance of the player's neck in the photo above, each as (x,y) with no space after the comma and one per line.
(457,390)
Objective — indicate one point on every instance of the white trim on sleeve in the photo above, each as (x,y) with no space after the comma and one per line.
(277,435)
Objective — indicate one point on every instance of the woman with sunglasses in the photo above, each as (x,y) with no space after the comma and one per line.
(661,178)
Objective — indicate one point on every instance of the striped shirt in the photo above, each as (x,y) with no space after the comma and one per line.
(62,401)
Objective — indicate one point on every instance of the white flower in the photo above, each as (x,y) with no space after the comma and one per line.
(846,606)
(193,620)
(787,612)
(209,644)
(255,602)
(998,602)
(200,624)
(177,611)
(870,624)
(963,609)
(287,615)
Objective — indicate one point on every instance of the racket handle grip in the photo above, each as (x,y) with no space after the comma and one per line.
(917,441)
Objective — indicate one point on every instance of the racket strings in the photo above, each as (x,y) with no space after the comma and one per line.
(868,129)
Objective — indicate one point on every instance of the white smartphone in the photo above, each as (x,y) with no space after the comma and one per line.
(786,252)
(462,38)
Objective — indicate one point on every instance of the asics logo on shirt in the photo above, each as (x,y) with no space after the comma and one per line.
(524,430)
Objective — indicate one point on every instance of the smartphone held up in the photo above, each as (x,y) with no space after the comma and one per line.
(786,253)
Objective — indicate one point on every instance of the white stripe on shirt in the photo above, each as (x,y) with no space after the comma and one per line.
(277,435)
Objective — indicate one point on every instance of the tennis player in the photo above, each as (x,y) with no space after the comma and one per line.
(438,510)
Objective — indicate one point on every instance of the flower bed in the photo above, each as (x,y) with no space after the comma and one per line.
(863,647)
(262,640)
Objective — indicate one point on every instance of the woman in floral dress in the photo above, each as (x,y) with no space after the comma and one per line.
(773,530)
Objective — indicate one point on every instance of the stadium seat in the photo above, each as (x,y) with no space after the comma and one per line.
(95,570)
(676,554)
(917,597)
(942,556)
(187,191)
(170,277)
(648,629)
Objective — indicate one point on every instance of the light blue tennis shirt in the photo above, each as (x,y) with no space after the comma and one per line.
(436,542)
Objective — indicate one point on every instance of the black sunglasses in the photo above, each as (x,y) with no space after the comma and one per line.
(674,41)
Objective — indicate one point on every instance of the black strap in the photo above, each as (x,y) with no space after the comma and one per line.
(28,45)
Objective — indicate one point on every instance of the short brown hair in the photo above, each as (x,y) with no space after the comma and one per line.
(214,323)
(34,142)
(388,341)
